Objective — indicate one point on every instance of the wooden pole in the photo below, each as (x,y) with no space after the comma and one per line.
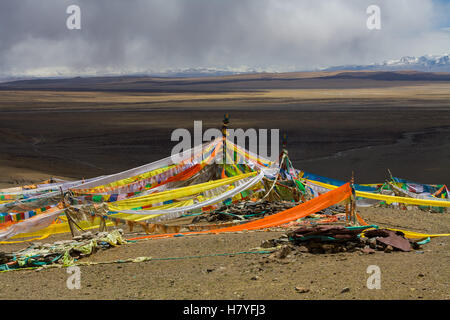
(353,200)
(283,152)
(347,211)
(284,140)
(390,174)
(224,138)
(102,227)
(69,219)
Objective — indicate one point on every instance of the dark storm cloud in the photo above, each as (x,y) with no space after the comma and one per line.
(156,35)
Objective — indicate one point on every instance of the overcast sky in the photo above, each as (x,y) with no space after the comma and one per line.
(128,36)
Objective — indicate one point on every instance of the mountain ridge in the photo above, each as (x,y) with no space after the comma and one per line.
(243,82)
(426,63)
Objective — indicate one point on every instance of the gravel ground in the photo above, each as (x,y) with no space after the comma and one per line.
(404,275)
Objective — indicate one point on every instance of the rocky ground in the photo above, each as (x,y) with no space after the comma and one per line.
(202,272)
(334,129)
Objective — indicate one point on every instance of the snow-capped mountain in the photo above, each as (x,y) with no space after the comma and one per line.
(64,72)
(429,63)
(202,72)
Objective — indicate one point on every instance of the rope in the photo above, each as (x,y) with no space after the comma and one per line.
(245,215)
(192,214)
(275,180)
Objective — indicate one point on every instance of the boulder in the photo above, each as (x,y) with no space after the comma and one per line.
(283,252)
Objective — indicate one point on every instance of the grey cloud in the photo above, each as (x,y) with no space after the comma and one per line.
(154,35)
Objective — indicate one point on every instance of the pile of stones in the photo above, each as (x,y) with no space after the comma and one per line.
(245,210)
(328,239)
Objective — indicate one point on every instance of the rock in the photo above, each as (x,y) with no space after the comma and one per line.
(3,258)
(316,250)
(301,290)
(360,245)
(314,244)
(198,219)
(368,250)
(254,278)
(36,244)
(414,245)
(346,289)
(267,244)
(271,257)
(303,249)
(373,243)
(328,247)
(87,235)
(350,245)
(388,249)
(283,252)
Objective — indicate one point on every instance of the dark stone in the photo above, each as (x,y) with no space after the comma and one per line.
(346,289)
